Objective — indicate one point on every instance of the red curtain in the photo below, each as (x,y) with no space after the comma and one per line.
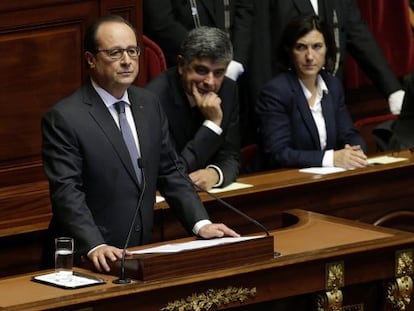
(390,23)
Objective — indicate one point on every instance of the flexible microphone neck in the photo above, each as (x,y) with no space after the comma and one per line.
(231,207)
(122,279)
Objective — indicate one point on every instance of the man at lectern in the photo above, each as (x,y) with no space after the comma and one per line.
(106,149)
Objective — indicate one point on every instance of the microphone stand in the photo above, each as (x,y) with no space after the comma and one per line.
(231,207)
(122,279)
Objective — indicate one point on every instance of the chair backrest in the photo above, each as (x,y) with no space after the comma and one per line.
(366,127)
(247,155)
(401,220)
(154,60)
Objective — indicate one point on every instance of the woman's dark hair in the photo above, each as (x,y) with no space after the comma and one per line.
(296,29)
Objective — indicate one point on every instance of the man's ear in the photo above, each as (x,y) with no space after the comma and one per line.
(89,57)
(180,64)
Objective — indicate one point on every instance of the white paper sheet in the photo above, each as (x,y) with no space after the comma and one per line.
(178,247)
(385,160)
(231,187)
(78,280)
(322,170)
(371,161)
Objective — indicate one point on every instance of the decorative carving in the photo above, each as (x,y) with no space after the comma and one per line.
(331,300)
(398,291)
(334,275)
(321,304)
(404,263)
(211,298)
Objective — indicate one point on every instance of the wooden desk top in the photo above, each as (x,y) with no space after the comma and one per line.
(365,195)
(26,208)
(305,247)
(288,178)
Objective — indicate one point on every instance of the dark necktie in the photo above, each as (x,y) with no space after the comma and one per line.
(128,138)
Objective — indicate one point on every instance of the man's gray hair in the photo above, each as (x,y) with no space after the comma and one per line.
(207,42)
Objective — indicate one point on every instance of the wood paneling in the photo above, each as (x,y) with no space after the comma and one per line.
(41,44)
(43,64)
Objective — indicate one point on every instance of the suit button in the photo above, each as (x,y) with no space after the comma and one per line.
(137,228)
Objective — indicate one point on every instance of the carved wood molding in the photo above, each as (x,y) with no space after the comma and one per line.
(211,298)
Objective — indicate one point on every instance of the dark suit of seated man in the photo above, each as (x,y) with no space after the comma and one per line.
(202,108)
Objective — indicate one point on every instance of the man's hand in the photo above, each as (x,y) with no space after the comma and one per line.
(205,178)
(216,231)
(103,253)
(209,105)
(350,157)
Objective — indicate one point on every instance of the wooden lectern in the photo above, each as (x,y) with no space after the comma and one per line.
(167,265)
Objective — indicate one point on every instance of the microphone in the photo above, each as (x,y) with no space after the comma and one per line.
(122,279)
(231,207)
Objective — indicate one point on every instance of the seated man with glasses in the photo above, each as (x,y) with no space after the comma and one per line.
(202,107)
(96,187)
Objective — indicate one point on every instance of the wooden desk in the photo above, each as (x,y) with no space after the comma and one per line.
(363,194)
(311,242)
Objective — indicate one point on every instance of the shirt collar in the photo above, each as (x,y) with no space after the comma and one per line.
(107,98)
(321,85)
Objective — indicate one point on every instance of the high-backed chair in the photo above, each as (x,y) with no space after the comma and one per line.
(247,155)
(401,220)
(366,127)
(154,60)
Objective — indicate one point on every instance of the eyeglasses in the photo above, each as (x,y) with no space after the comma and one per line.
(118,53)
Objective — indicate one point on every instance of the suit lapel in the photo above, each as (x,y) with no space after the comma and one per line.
(303,6)
(138,111)
(326,12)
(329,116)
(143,128)
(187,121)
(219,14)
(305,111)
(103,118)
(213,9)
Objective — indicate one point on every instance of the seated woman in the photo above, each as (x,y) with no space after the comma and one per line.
(302,117)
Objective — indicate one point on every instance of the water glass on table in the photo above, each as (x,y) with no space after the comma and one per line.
(64,259)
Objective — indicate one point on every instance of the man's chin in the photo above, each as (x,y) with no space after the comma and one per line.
(126,80)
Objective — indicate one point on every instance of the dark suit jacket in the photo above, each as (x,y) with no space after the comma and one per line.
(93,188)
(354,36)
(167,22)
(288,133)
(197,145)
